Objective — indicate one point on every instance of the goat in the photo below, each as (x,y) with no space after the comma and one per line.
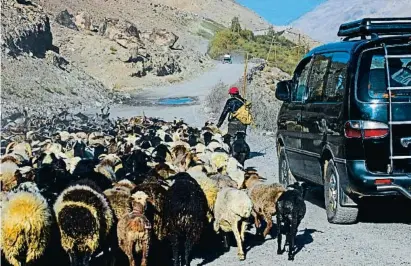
(290,212)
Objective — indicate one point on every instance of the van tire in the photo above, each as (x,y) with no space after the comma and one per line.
(285,176)
(336,214)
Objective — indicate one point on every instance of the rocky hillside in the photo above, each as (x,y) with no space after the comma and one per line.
(221,11)
(33,75)
(130,44)
(323,22)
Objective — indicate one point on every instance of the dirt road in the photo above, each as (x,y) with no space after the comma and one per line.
(378,239)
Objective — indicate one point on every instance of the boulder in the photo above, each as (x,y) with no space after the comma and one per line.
(162,37)
(57,60)
(65,19)
(25,29)
(83,21)
(121,31)
(164,65)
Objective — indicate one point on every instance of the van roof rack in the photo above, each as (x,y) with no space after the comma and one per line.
(375,27)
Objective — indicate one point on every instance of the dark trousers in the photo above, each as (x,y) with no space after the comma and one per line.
(235,126)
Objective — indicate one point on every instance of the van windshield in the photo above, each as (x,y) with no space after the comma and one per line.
(372,77)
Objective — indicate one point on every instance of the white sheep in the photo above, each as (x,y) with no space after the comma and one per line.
(232,209)
(235,171)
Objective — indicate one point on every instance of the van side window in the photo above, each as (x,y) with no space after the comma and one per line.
(337,77)
(300,82)
(318,77)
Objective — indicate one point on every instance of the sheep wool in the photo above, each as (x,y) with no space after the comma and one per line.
(83,217)
(210,190)
(25,227)
(232,209)
(8,169)
(156,194)
(120,200)
(219,159)
(230,204)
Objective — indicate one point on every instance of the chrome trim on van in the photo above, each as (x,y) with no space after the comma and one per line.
(313,154)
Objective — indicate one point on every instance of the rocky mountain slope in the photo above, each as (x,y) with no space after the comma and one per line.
(33,75)
(79,52)
(221,11)
(323,22)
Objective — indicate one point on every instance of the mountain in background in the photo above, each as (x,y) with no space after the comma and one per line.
(323,22)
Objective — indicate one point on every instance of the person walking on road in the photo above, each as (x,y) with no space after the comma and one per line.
(231,107)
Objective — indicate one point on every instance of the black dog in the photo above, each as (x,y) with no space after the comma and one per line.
(240,148)
(290,211)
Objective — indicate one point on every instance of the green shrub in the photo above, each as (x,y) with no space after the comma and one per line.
(283,54)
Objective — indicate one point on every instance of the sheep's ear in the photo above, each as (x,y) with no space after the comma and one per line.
(10,146)
(261,177)
(28,149)
(102,156)
(34,161)
(150,200)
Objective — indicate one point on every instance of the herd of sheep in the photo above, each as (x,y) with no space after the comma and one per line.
(77,190)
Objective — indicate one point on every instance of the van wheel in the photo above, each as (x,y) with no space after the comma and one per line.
(336,213)
(284,174)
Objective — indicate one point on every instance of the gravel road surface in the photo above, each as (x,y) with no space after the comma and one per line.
(382,237)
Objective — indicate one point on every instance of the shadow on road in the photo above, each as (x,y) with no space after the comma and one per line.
(304,239)
(256,154)
(372,210)
(385,210)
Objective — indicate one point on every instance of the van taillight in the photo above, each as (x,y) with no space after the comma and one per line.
(365,129)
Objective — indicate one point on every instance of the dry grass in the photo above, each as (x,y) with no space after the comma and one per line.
(216,99)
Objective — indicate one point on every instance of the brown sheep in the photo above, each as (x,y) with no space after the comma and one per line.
(156,194)
(182,157)
(119,197)
(133,230)
(120,200)
(264,198)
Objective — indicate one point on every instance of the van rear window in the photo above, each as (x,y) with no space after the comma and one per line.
(372,77)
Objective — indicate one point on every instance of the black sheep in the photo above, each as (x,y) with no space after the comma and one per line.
(185,212)
(227,139)
(240,148)
(161,153)
(52,177)
(85,169)
(207,137)
(290,212)
(136,165)
(85,221)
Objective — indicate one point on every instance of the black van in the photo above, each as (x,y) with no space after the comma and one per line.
(345,121)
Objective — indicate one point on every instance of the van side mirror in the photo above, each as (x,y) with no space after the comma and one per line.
(283,91)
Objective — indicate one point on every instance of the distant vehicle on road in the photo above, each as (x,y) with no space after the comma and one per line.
(345,121)
(227,59)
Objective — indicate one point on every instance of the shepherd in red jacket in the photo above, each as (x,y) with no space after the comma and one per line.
(231,106)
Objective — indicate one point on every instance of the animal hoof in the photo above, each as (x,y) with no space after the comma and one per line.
(279,252)
(290,258)
(241,256)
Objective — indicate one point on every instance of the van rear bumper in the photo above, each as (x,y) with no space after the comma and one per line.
(360,182)
(399,189)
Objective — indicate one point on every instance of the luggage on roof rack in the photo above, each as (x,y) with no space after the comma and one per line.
(375,27)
